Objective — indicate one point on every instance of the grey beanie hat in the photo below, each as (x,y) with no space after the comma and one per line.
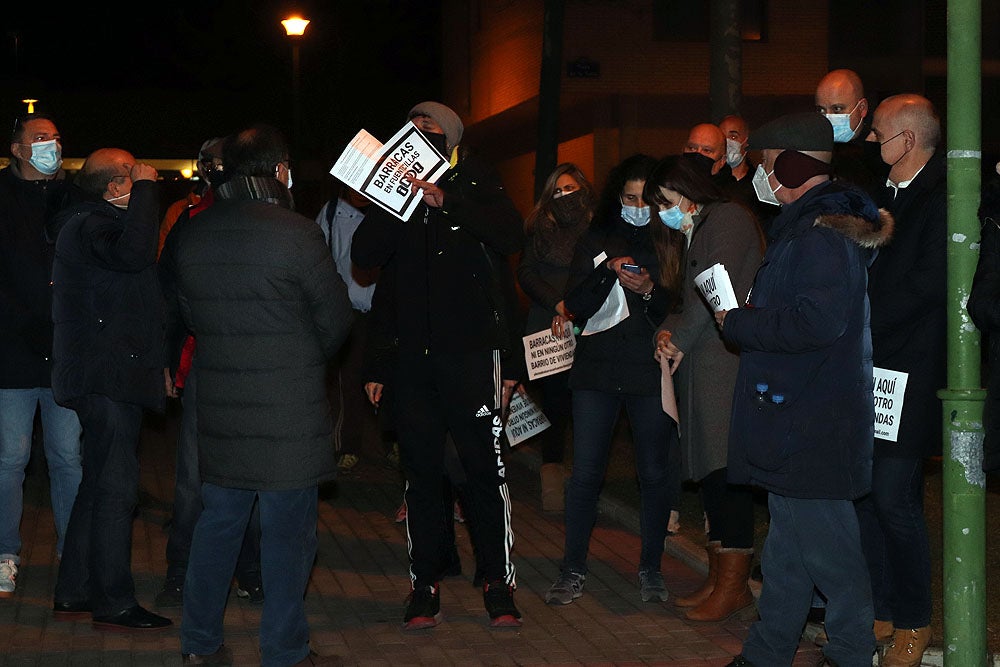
(443,116)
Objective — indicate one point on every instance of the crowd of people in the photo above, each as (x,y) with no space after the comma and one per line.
(273,328)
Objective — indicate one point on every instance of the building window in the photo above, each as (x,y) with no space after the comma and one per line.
(689,20)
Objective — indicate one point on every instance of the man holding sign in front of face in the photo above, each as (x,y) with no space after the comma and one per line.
(458,358)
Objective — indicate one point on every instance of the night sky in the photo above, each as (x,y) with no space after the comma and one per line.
(157,79)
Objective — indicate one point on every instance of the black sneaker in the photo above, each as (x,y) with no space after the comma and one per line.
(423,608)
(253,594)
(499,600)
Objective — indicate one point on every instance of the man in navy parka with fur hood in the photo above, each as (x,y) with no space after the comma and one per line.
(803,415)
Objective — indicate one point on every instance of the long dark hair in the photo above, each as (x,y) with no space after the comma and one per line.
(543,207)
(634,168)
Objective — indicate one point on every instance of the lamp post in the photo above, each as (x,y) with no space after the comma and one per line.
(295,27)
(31,105)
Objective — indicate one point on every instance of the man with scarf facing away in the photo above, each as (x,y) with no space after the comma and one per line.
(803,411)
(257,287)
(457,362)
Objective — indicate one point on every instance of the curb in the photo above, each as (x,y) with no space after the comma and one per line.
(681,548)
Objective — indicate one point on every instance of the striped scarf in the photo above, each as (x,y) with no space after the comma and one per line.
(261,188)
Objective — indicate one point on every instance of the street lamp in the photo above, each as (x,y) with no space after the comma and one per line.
(295,27)
(31,105)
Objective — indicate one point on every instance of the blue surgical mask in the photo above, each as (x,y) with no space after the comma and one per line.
(672,217)
(637,216)
(842,130)
(46,156)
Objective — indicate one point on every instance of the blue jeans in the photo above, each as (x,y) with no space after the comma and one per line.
(187,502)
(61,438)
(812,544)
(594,416)
(894,536)
(97,561)
(288,549)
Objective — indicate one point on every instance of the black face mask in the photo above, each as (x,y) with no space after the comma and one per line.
(570,209)
(703,162)
(438,141)
(216,177)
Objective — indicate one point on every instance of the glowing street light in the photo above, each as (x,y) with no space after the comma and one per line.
(31,105)
(295,27)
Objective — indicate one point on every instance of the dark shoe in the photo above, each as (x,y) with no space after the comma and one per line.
(315,658)
(133,619)
(172,595)
(499,600)
(740,661)
(254,594)
(70,611)
(222,656)
(423,608)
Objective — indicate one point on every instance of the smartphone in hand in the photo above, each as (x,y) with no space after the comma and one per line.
(633,268)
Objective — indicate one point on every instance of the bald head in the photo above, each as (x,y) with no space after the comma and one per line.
(909,112)
(735,128)
(102,167)
(708,140)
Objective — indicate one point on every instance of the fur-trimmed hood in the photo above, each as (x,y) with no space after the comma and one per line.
(866,233)
(841,207)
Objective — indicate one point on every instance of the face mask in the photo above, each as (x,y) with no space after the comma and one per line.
(438,141)
(125,196)
(46,156)
(569,208)
(893,163)
(734,153)
(762,186)
(637,216)
(842,131)
(672,217)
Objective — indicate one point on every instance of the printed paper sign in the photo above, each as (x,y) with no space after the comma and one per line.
(544,354)
(715,285)
(890,388)
(525,419)
(382,172)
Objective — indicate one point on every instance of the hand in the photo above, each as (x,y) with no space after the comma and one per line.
(373,390)
(559,326)
(720,317)
(142,172)
(433,195)
(667,350)
(640,283)
(168,383)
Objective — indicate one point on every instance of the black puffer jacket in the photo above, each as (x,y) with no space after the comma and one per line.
(107,306)
(258,289)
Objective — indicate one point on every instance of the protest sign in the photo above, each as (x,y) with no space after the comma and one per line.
(383,172)
(525,419)
(715,285)
(544,354)
(890,387)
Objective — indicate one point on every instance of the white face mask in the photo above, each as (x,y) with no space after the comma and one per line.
(113,200)
(734,153)
(762,186)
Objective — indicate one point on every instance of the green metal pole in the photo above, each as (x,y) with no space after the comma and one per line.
(964,484)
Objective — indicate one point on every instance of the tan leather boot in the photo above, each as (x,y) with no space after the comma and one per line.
(883,632)
(700,595)
(553,487)
(907,648)
(731,593)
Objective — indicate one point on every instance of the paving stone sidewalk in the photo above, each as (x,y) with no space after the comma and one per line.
(356,596)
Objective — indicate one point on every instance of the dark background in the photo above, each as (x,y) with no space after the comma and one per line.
(158,79)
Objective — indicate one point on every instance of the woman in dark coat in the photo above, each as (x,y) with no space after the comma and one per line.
(559,219)
(616,268)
